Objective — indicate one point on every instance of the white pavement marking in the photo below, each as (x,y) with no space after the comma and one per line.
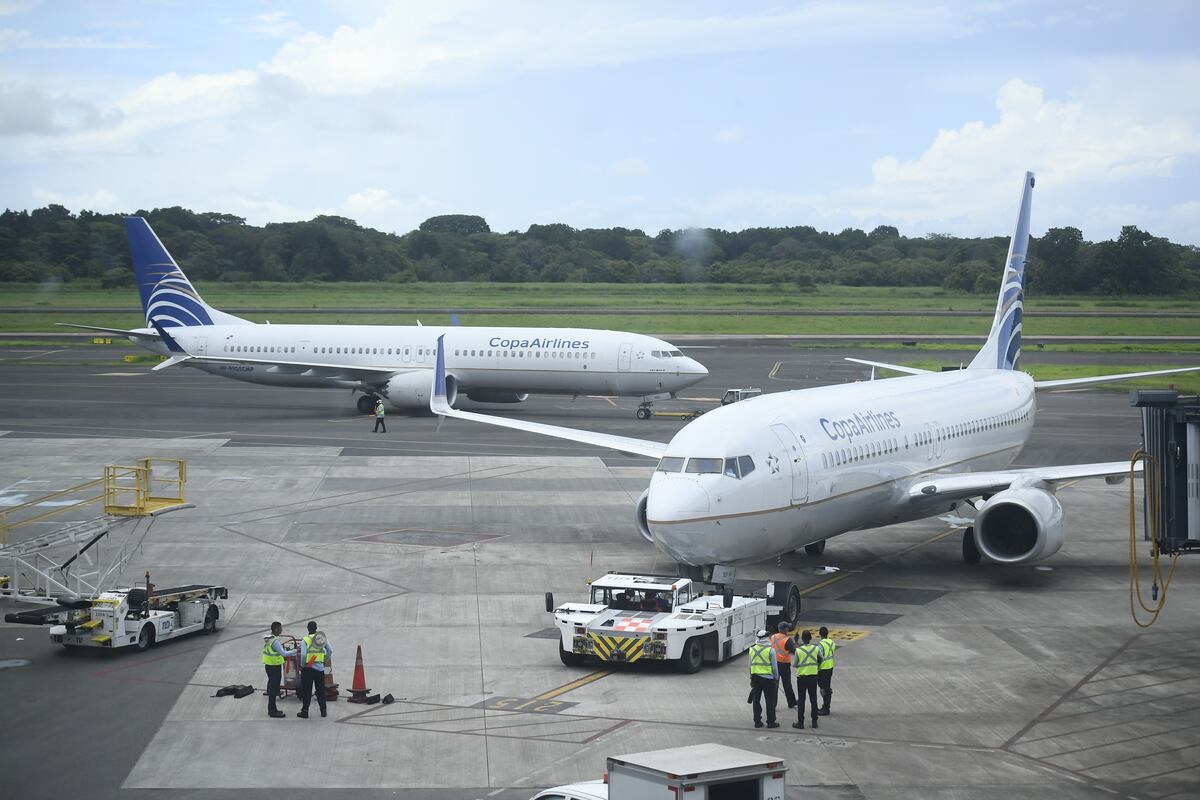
(117,374)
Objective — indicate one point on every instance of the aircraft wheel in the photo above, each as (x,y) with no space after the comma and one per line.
(643,412)
(971,553)
(567,657)
(145,637)
(366,404)
(693,656)
(815,549)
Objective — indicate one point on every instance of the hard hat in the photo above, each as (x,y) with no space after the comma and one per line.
(762,634)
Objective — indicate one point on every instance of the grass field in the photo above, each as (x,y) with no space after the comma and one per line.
(463,296)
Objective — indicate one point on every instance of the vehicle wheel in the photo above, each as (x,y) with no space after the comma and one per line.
(815,549)
(971,553)
(568,658)
(643,412)
(366,404)
(210,623)
(693,656)
(145,637)
(791,612)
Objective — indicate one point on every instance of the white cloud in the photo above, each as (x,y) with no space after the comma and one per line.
(10,7)
(13,39)
(631,168)
(275,25)
(378,208)
(731,135)
(100,200)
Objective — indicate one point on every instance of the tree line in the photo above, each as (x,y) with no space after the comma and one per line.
(51,243)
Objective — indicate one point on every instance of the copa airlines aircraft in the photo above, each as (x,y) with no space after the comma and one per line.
(775,473)
(395,362)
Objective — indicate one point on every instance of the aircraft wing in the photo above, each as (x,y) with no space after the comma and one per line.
(317,369)
(964,485)
(624,444)
(892,367)
(1071,383)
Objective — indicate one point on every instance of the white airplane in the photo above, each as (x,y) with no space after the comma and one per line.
(395,362)
(784,471)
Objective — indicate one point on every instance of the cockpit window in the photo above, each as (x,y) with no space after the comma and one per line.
(670,464)
(731,468)
(745,465)
(705,466)
(676,353)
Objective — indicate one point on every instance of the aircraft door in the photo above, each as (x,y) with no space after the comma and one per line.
(201,346)
(795,458)
(623,358)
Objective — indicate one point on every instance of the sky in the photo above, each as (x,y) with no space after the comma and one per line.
(658,115)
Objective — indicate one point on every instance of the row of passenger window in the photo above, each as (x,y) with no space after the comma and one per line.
(257,348)
(564,354)
(859,452)
(734,467)
(980,425)
(378,351)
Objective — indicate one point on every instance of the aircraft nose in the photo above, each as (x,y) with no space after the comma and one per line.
(694,368)
(676,499)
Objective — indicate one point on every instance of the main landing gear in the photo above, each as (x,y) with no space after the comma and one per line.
(971,553)
(366,403)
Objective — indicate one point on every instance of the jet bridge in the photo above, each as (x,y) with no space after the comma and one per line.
(1171,469)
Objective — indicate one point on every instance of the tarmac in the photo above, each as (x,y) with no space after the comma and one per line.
(432,548)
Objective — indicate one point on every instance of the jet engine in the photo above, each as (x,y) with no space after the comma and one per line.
(411,389)
(640,514)
(494,396)
(1019,525)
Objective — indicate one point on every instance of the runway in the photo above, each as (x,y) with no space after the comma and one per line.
(432,549)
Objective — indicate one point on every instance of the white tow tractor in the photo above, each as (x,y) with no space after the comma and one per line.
(131,617)
(631,618)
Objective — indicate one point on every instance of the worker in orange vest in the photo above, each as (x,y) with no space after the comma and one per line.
(783,646)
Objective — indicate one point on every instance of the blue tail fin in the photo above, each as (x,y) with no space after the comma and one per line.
(1002,350)
(168,297)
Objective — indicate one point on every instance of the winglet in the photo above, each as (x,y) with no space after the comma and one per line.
(437,398)
(169,340)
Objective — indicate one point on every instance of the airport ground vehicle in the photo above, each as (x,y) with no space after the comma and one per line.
(632,618)
(703,771)
(734,395)
(130,617)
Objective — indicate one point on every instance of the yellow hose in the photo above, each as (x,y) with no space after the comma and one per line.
(1135,585)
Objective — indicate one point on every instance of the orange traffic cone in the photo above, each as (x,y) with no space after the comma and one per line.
(358,687)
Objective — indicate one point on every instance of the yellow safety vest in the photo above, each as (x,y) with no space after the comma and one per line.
(828,645)
(760,659)
(808,658)
(379,409)
(314,656)
(270,655)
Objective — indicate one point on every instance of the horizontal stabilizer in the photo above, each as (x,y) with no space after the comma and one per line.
(170,362)
(893,367)
(142,333)
(1071,383)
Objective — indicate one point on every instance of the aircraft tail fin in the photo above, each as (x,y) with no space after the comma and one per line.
(168,297)
(1002,350)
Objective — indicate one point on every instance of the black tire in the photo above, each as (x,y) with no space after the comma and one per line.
(643,412)
(692,657)
(568,658)
(815,549)
(791,610)
(145,637)
(210,622)
(970,550)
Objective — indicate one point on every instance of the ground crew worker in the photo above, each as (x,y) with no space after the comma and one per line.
(808,662)
(825,673)
(273,654)
(314,649)
(784,645)
(379,423)
(764,679)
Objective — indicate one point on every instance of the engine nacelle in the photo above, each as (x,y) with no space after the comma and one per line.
(640,517)
(1020,525)
(494,396)
(411,389)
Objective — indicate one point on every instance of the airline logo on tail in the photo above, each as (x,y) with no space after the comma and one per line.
(168,298)
(1002,350)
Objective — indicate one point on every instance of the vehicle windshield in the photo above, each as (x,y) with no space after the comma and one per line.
(654,600)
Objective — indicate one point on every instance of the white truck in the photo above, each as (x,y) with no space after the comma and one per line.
(698,772)
(632,618)
(130,617)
